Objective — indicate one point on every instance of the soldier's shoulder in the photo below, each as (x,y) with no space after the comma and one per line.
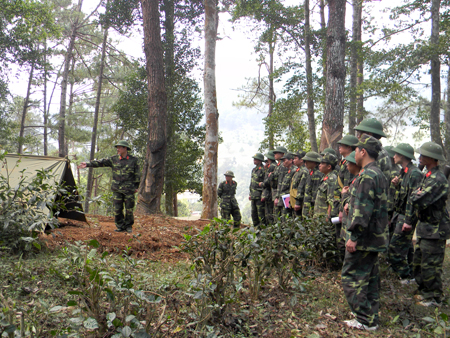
(332,177)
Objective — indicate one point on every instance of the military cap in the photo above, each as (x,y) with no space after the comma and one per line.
(123,143)
(259,156)
(369,143)
(349,140)
(432,150)
(351,158)
(289,156)
(270,156)
(371,126)
(405,150)
(300,154)
(312,156)
(229,173)
(280,150)
(329,158)
(328,151)
(390,151)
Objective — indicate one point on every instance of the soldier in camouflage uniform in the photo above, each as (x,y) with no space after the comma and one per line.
(368,234)
(228,204)
(312,161)
(332,152)
(428,204)
(395,172)
(256,189)
(276,177)
(325,193)
(125,182)
(298,182)
(344,178)
(267,187)
(401,241)
(284,186)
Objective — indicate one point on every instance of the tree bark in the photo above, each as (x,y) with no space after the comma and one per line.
(271,90)
(24,110)
(360,71)
(309,81)
(333,119)
(210,207)
(356,26)
(447,116)
(45,113)
(323,29)
(152,181)
(435,74)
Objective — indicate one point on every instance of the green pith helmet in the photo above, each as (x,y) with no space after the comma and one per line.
(259,156)
(289,156)
(270,156)
(123,143)
(300,154)
(229,173)
(312,156)
(390,151)
(280,149)
(329,158)
(349,140)
(432,150)
(369,142)
(328,151)
(404,149)
(371,126)
(351,158)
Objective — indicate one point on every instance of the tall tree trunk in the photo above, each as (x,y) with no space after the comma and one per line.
(169,9)
(175,205)
(435,74)
(447,116)
(323,34)
(309,81)
(152,181)
(333,119)
(210,207)
(360,70)
(356,25)
(271,90)
(94,127)
(24,110)
(62,108)
(45,100)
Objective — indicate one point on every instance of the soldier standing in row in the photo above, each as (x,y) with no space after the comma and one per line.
(312,161)
(277,177)
(256,190)
(284,186)
(229,205)
(125,183)
(267,187)
(298,181)
(325,192)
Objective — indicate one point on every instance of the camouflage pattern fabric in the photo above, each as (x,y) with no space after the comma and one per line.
(298,188)
(267,193)
(278,177)
(285,188)
(312,183)
(400,245)
(325,195)
(228,203)
(119,200)
(385,165)
(360,282)
(368,216)
(258,213)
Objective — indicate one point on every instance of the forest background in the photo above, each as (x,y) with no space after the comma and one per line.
(53,54)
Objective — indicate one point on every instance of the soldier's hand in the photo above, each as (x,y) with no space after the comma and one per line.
(406,227)
(395,180)
(341,216)
(263,199)
(249,198)
(275,202)
(297,207)
(269,174)
(345,190)
(346,209)
(136,191)
(82,165)
(351,246)
(260,184)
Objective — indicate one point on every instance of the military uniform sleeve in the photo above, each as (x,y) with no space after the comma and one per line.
(220,190)
(104,162)
(137,175)
(362,207)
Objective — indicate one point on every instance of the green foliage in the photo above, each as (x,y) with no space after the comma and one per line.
(438,324)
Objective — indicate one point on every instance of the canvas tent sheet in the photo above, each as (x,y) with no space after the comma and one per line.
(60,169)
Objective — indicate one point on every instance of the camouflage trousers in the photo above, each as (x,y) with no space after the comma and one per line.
(340,240)
(427,267)
(287,212)
(235,212)
(268,209)
(360,281)
(400,248)
(119,200)
(258,213)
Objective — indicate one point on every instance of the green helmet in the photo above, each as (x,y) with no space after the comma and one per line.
(258,156)
(329,158)
(300,154)
(371,126)
(289,156)
(390,151)
(405,150)
(351,158)
(312,156)
(280,150)
(229,173)
(349,140)
(123,143)
(328,151)
(432,150)
(270,156)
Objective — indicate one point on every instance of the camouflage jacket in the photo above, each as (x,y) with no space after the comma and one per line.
(428,203)
(301,186)
(278,175)
(299,175)
(227,194)
(385,165)
(409,180)
(268,182)
(125,172)
(285,186)
(257,177)
(368,215)
(344,178)
(325,195)
(312,183)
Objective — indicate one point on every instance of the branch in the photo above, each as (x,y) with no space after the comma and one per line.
(396,32)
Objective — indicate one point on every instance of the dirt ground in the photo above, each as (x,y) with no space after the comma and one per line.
(154,237)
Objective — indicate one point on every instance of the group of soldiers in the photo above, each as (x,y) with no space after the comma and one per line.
(376,197)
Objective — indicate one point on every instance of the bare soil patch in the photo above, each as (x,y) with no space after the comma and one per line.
(154,237)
